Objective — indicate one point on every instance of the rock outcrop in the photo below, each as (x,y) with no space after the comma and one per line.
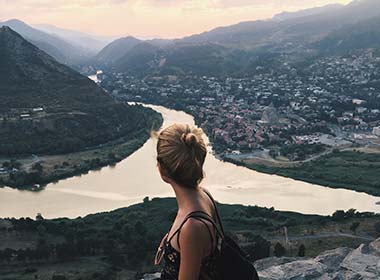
(339,264)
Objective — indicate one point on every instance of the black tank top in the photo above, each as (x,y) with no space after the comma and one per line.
(172,258)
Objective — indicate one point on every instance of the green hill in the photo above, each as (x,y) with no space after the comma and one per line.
(49,108)
(116,50)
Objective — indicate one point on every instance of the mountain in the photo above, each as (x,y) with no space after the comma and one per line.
(180,59)
(143,58)
(362,35)
(49,108)
(58,48)
(240,48)
(307,25)
(116,50)
(203,59)
(307,12)
(86,41)
(160,42)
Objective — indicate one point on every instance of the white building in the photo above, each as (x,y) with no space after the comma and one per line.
(376,131)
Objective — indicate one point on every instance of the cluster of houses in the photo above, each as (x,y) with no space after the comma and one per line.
(330,101)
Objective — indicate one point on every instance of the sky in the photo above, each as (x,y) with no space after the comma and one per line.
(148,18)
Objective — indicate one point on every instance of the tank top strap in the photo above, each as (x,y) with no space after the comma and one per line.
(198,215)
(198,218)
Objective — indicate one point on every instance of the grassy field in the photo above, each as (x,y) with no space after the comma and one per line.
(121,244)
(355,170)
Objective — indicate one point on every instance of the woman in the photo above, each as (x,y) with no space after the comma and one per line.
(189,248)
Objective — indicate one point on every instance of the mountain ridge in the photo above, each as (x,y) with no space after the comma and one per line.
(83,40)
(57,108)
(61,50)
(116,50)
(297,35)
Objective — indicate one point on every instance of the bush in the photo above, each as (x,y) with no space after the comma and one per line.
(354,226)
(260,249)
(339,215)
(301,250)
(279,250)
(376,227)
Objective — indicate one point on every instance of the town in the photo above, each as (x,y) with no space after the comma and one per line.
(290,113)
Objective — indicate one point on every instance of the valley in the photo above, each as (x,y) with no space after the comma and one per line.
(289,106)
(289,122)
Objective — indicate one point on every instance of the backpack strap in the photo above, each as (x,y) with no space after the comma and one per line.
(208,229)
(198,215)
(216,211)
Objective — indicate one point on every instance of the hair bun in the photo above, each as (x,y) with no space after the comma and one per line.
(190,139)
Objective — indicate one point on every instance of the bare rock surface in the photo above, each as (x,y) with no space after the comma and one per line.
(362,263)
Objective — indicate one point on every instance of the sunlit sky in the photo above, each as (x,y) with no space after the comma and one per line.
(148,18)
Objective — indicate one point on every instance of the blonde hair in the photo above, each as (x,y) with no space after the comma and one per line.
(181,153)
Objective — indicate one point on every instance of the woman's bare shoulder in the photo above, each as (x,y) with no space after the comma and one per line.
(194,229)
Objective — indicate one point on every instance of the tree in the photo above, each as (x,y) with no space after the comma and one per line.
(354,226)
(38,167)
(42,249)
(259,249)
(140,228)
(339,215)
(376,227)
(351,212)
(301,250)
(279,250)
(12,164)
(39,217)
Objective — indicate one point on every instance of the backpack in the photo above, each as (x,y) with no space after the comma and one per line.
(231,261)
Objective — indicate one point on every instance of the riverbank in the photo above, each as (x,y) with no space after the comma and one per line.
(136,177)
(36,171)
(359,171)
(355,170)
(122,243)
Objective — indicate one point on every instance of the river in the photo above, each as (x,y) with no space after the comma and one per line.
(136,177)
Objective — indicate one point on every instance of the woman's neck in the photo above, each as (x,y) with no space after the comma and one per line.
(187,198)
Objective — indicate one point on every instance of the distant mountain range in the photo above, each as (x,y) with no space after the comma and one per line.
(308,12)
(305,25)
(55,46)
(92,43)
(49,108)
(224,50)
(237,47)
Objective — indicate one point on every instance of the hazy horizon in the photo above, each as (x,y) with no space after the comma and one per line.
(148,18)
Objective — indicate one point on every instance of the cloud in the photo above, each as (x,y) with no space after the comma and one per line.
(183,4)
(43,4)
(166,18)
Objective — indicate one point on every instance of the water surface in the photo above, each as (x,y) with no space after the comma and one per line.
(136,177)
